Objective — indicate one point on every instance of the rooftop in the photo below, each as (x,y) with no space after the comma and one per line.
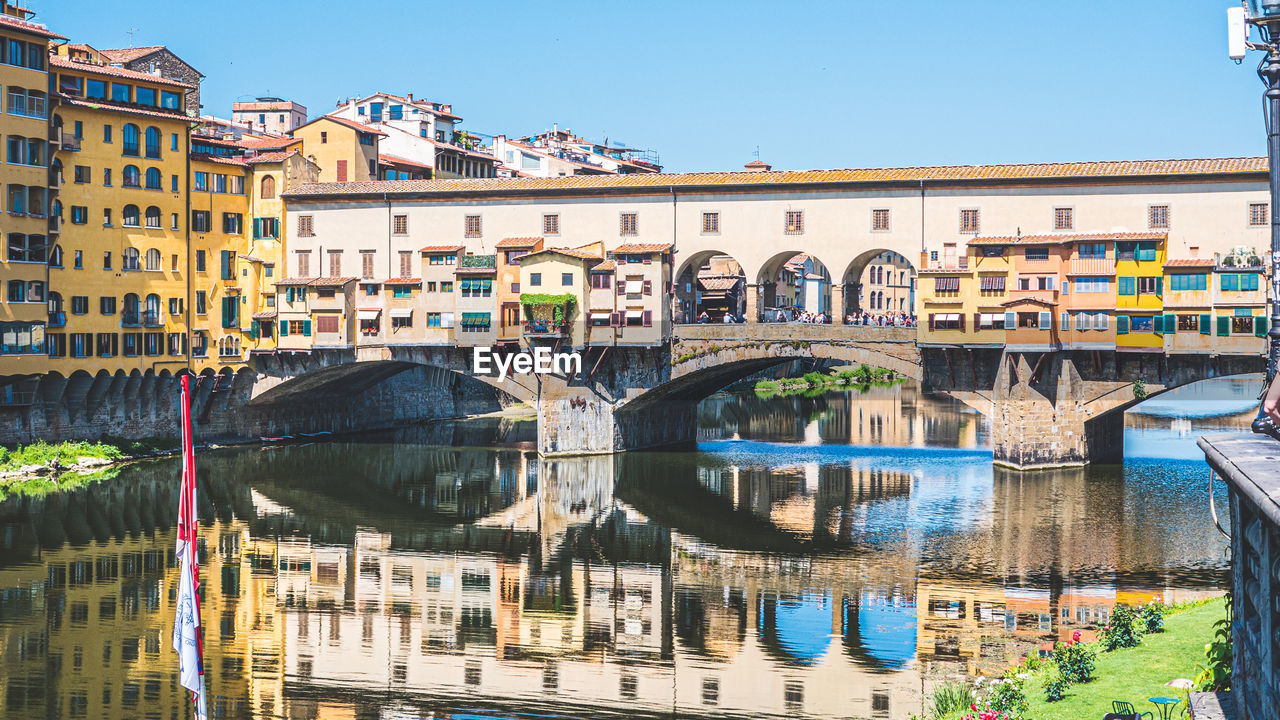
(1056,239)
(30,27)
(641,248)
(57,61)
(518,242)
(1189,169)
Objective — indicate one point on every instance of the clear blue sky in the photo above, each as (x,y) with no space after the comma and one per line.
(814,85)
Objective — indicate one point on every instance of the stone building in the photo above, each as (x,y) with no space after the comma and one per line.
(160,61)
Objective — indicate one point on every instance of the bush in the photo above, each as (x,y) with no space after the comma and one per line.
(1215,674)
(1074,661)
(1119,632)
(1151,617)
(815,379)
(1055,687)
(950,698)
(1007,696)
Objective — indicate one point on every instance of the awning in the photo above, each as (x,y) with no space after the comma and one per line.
(367,314)
(635,286)
(635,314)
(945,317)
(401,312)
(600,315)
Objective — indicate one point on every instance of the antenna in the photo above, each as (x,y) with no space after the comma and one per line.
(756,152)
(130,33)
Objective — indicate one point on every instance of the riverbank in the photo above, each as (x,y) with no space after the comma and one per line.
(42,467)
(842,378)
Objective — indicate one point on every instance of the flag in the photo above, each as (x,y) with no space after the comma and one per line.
(186,622)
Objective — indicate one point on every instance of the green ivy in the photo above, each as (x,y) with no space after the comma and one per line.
(566,300)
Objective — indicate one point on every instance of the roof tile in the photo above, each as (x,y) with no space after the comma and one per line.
(641,248)
(1055,239)
(443,248)
(59,61)
(518,242)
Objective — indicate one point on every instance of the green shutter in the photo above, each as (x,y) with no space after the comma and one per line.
(257,228)
(306,328)
(1124,285)
(284,328)
(1171,324)
(253,331)
(1157,324)
(1160,285)
(1205,322)
(1224,325)
(226,264)
(1122,324)
(1260,325)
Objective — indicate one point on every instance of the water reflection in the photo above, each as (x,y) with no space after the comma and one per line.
(399,577)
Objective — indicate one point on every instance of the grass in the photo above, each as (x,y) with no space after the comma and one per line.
(66,453)
(1138,673)
(42,485)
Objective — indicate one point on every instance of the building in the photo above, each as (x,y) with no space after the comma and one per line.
(560,153)
(223,279)
(269,115)
(158,60)
(509,252)
(32,225)
(554,287)
(887,285)
(343,150)
(421,136)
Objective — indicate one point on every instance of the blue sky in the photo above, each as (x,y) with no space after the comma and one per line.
(812,84)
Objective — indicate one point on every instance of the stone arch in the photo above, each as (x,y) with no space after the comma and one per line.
(711,281)
(857,284)
(795,281)
(795,629)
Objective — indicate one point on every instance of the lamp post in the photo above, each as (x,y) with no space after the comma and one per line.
(1265,15)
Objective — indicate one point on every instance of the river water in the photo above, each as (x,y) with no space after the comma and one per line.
(830,556)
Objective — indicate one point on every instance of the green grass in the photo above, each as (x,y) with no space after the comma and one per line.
(40,486)
(1138,673)
(66,453)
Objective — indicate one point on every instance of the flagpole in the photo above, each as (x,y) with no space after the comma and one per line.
(187,640)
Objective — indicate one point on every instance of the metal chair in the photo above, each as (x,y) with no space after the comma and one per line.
(1122,710)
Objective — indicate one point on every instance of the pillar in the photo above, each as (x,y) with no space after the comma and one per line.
(753,302)
(837,303)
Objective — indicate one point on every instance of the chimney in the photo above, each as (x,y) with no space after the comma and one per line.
(410,97)
(758,166)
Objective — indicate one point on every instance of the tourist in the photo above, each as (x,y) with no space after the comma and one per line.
(728,318)
(704,317)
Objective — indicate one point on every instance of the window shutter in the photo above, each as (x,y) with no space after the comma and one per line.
(960,317)
(1122,324)
(1171,324)
(253,331)
(1066,321)
(1046,320)
(930,322)
(1205,321)
(977,321)
(284,328)
(1260,325)
(615,319)
(1010,320)
(1160,286)
(226,264)
(1224,325)
(306,328)
(1157,324)
(648,287)
(646,317)
(622,287)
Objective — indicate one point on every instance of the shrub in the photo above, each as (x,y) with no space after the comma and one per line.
(1151,617)
(1007,696)
(1215,674)
(1074,661)
(1119,632)
(950,698)
(1055,687)
(815,379)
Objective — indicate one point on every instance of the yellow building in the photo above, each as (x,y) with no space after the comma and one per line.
(123,279)
(345,150)
(30,227)
(554,286)
(1140,294)
(222,281)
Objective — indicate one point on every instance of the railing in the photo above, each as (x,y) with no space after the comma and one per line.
(1092,266)
(70,141)
(58,319)
(152,319)
(545,329)
(55,224)
(130,319)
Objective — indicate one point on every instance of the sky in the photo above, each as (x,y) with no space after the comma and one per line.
(705,83)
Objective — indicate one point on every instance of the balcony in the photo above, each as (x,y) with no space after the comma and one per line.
(1092,266)
(152,319)
(55,224)
(70,141)
(546,329)
(58,319)
(131,319)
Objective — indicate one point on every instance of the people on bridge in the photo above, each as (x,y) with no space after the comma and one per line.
(704,317)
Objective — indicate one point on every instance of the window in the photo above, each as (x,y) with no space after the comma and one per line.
(1242,324)
(400,225)
(201,182)
(794,222)
(232,223)
(79,261)
(202,302)
(200,261)
(268,191)
(477,287)
(306,227)
(366,263)
(628,224)
(82,174)
(327,323)
(79,304)
(153,179)
(108,344)
(471,226)
(1149,285)
(1257,214)
(1093,251)
(1158,217)
(106,129)
(402,291)
(132,178)
(406,263)
(969,222)
(551,224)
(1093,285)
(711,223)
(1188,323)
(22,338)
(880,220)
(130,216)
(1188,281)
(476,322)
(153,218)
(27,248)
(106,260)
(335,263)
(129,135)
(175,306)
(1037,254)
(946,321)
(266,227)
(106,177)
(566,279)
(1125,285)
(153,259)
(304,263)
(201,221)
(153,135)
(601,281)
(228,265)
(1063,218)
(535,279)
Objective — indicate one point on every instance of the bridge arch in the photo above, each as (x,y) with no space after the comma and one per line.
(791,282)
(878,281)
(710,281)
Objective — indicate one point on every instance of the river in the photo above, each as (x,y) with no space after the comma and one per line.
(823,557)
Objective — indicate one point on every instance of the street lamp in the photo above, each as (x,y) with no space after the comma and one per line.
(1265,15)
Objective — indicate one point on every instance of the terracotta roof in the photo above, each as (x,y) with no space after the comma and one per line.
(606,266)
(419,103)
(264,315)
(397,160)
(251,258)
(1029,299)
(1062,239)
(358,127)
(719,283)
(128,110)
(59,61)
(518,242)
(442,248)
(270,157)
(124,55)
(293,281)
(264,142)
(404,281)
(1190,262)
(568,252)
(332,281)
(906,175)
(33,28)
(641,248)
(201,157)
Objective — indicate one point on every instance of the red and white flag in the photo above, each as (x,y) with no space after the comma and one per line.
(186,622)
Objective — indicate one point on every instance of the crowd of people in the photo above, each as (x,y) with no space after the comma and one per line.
(892,319)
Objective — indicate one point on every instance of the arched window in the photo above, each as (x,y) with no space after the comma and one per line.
(228,346)
(129,259)
(55,256)
(131,217)
(153,142)
(55,302)
(268,187)
(153,221)
(152,315)
(132,178)
(153,178)
(56,168)
(130,136)
(131,312)
(153,255)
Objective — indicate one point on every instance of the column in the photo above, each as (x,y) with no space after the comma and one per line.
(753,303)
(837,303)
